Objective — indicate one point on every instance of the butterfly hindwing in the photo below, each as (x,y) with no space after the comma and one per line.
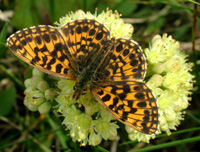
(126,62)
(44,48)
(130,102)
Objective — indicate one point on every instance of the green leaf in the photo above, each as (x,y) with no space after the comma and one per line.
(7,99)
(29,13)
(3,35)
(26,14)
(181,32)
(125,7)
(155,26)
(60,8)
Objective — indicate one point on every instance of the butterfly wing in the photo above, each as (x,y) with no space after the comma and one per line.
(130,102)
(120,91)
(85,38)
(126,62)
(44,48)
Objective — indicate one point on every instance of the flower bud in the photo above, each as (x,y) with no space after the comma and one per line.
(37,73)
(28,83)
(42,86)
(35,80)
(44,108)
(94,139)
(50,94)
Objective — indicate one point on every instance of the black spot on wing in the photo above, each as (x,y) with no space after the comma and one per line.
(106,98)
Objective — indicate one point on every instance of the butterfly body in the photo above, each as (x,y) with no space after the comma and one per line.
(112,69)
(88,75)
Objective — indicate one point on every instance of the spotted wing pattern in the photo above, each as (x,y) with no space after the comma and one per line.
(85,38)
(120,91)
(131,102)
(126,62)
(44,48)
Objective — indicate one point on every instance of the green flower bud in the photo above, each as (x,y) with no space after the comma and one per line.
(162,120)
(37,73)
(113,131)
(30,106)
(164,101)
(106,129)
(83,122)
(129,129)
(28,83)
(29,90)
(170,115)
(171,81)
(94,139)
(156,68)
(50,94)
(74,133)
(70,114)
(38,101)
(86,99)
(140,137)
(155,81)
(65,100)
(62,83)
(44,108)
(35,80)
(102,128)
(82,134)
(105,115)
(92,107)
(42,86)
(180,104)
(165,128)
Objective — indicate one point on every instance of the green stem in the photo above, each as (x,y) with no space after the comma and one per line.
(58,134)
(4,71)
(164,134)
(169,144)
(101,149)
(193,117)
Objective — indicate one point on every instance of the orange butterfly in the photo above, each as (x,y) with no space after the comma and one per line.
(83,51)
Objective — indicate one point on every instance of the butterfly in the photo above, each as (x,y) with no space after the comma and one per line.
(84,51)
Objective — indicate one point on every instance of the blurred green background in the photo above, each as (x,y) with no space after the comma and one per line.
(22,130)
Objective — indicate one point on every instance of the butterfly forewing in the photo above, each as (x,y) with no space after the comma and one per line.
(84,39)
(44,48)
(131,102)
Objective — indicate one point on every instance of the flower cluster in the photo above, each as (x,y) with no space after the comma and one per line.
(169,78)
(167,75)
(87,120)
(39,96)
